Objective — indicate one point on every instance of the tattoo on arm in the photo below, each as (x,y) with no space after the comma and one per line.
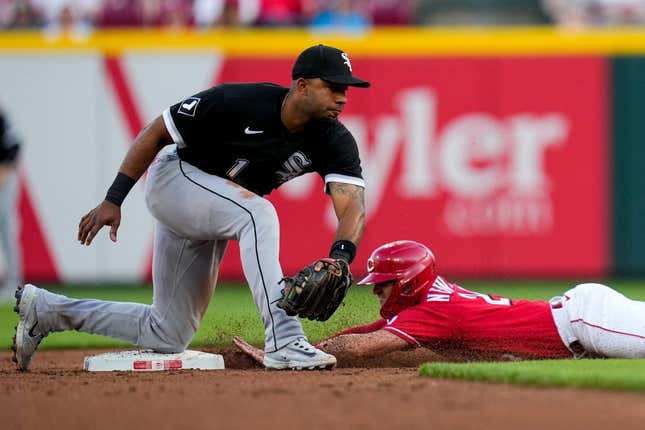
(349,191)
(349,204)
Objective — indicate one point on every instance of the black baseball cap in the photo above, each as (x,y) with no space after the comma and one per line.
(327,63)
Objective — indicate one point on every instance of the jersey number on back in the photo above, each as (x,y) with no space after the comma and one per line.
(502,301)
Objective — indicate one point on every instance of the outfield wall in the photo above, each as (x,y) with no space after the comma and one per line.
(494,147)
(628,115)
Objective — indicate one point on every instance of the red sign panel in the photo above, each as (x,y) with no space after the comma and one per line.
(499,165)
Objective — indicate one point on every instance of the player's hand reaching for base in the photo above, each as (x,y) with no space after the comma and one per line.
(105,213)
(255,353)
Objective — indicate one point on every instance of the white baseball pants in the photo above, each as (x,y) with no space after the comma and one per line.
(601,320)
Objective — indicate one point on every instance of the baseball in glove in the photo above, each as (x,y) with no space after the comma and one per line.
(317,290)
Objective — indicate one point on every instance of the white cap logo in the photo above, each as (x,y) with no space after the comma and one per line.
(346,58)
(370,265)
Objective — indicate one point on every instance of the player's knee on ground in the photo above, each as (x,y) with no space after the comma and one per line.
(167,336)
(170,345)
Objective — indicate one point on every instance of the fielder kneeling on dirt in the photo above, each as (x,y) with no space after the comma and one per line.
(421,309)
(210,160)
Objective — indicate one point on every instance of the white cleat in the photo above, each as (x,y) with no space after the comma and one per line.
(299,355)
(28,336)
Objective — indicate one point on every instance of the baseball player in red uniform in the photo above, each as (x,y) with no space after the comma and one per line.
(421,309)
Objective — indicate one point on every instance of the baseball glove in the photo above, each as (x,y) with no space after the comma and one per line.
(317,290)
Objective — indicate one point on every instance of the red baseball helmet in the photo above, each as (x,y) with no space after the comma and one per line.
(408,262)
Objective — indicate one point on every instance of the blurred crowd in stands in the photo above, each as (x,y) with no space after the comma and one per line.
(348,15)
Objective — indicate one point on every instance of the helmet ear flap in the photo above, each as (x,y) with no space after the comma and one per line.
(410,286)
(404,294)
(407,287)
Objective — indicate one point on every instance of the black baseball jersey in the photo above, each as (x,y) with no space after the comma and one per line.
(235,131)
(9,144)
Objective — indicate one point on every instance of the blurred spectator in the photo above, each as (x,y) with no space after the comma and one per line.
(480,12)
(145,13)
(392,12)
(282,13)
(6,12)
(79,16)
(75,17)
(208,13)
(225,13)
(231,15)
(18,14)
(11,274)
(343,16)
(120,13)
(586,13)
(175,14)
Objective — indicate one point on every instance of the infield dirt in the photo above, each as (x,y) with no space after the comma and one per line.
(57,394)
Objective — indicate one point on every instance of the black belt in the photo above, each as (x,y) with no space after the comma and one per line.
(578,350)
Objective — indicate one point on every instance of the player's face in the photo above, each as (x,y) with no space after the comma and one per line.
(383,291)
(324,99)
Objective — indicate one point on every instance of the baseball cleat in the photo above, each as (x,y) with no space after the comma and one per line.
(28,336)
(299,355)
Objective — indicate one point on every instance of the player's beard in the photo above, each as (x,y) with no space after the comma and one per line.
(323,118)
(327,117)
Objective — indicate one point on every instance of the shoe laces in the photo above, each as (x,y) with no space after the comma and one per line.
(303,345)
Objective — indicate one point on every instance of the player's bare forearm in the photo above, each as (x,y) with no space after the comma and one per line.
(359,329)
(349,205)
(146,146)
(352,346)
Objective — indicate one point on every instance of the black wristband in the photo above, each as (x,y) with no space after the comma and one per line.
(120,188)
(343,249)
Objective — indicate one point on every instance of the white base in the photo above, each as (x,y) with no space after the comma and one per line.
(148,361)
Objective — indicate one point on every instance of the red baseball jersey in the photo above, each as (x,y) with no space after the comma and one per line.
(459,323)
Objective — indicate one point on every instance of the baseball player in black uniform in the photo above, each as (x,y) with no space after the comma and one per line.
(217,153)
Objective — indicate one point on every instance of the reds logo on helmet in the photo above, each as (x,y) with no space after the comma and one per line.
(409,263)
(370,265)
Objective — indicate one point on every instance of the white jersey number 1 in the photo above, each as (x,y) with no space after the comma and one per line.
(236,168)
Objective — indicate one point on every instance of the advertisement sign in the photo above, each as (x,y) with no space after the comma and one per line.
(499,165)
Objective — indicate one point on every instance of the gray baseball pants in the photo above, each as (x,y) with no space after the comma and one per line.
(9,231)
(196,215)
